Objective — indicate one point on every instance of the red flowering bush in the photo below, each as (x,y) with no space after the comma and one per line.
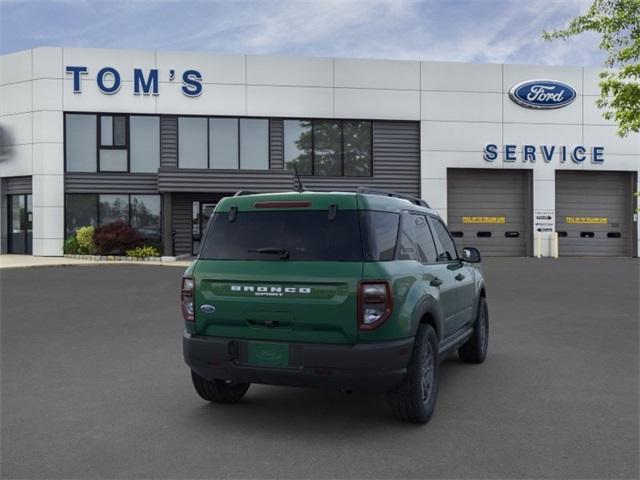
(116,238)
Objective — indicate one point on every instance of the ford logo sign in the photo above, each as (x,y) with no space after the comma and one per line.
(542,94)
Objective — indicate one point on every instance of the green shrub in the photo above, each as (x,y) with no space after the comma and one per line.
(84,236)
(71,245)
(144,251)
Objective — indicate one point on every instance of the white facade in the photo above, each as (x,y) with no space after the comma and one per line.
(461,108)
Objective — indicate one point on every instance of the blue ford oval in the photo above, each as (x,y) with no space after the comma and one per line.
(542,94)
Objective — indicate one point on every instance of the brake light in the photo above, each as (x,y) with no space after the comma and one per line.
(186,299)
(374,304)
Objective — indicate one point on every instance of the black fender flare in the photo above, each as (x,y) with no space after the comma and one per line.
(428,306)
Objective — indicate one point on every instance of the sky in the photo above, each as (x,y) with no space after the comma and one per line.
(481,31)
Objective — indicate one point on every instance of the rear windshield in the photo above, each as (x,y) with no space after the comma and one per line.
(294,235)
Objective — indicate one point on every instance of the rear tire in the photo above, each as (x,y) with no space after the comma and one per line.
(415,399)
(219,391)
(475,349)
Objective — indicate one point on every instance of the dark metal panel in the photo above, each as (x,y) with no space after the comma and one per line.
(201,180)
(167,224)
(594,194)
(17,185)
(168,141)
(110,183)
(276,143)
(181,215)
(490,193)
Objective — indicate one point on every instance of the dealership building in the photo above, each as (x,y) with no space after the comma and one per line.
(517,159)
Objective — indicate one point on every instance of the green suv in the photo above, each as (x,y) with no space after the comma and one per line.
(350,291)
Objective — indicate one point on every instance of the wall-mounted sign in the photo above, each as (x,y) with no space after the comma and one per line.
(542,94)
(489,220)
(532,153)
(108,80)
(587,220)
(544,220)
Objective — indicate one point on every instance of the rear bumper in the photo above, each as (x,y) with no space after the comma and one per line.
(376,367)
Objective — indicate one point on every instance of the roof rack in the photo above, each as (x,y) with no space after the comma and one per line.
(241,193)
(386,193)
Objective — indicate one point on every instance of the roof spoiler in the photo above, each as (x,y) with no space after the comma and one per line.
(386,193)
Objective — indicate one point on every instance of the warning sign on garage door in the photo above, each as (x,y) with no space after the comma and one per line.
(587,220)
(544,220)
(493,220)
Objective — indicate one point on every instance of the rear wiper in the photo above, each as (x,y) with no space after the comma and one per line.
(283,252)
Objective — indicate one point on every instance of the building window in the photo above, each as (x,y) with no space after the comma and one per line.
(80,142)
(145,217)
(328,147)
(297,146)
(145,143)
(192,142)
(112,208)
(223,143)
(81,210)
(254,144)
(142,212)
(357,148)
(112,143)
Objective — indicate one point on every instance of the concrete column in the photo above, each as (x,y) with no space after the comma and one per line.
(544,201)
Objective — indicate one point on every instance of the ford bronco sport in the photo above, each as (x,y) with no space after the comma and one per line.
(351,291)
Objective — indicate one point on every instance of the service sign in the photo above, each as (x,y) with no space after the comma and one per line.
(542,94)
(544,220)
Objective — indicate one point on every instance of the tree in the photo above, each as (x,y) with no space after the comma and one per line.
(618,23)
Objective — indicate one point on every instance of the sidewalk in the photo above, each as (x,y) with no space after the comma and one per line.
(25,261)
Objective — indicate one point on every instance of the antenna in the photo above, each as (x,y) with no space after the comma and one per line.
(298,187)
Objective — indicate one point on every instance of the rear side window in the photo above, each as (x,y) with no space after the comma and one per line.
(381,233)
(416,242)
(305,235)
(425,239)
(446,248)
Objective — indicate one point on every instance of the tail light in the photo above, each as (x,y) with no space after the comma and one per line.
(374,304)
(186,299)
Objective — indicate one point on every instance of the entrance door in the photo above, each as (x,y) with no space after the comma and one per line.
(201,211)
(20,224)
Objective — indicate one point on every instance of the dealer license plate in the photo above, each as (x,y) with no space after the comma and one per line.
(268,354)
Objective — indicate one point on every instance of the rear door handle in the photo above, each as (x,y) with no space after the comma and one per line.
(459,277)
(436,282)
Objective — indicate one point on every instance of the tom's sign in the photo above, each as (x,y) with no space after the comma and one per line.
(109,80)
(542,94)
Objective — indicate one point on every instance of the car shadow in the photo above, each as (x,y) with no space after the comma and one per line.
(294,411)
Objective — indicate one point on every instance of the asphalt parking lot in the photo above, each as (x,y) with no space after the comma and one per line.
(93,386)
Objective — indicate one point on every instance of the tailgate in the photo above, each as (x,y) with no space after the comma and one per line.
(278,300)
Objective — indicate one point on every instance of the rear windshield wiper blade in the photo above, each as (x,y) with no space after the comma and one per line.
(283,252)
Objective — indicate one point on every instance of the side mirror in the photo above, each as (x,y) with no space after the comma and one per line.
(471,255)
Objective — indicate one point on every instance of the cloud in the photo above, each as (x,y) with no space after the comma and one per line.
(456,30)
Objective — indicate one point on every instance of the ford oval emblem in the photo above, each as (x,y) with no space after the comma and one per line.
(206,308)
(542,94)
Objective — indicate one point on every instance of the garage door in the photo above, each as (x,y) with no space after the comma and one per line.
(489,210)
(593,213)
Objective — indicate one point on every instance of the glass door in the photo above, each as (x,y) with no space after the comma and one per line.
(20,224)
(200,213)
